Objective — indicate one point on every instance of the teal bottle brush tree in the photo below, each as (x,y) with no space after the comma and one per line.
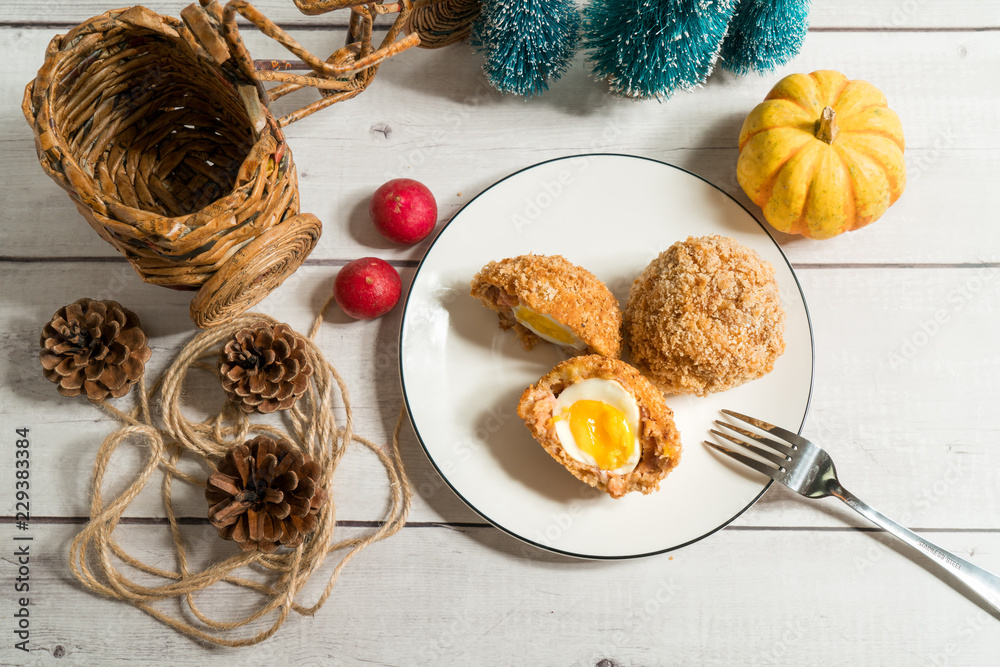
(526,43)
(764,34)
(650,48)
(643,49)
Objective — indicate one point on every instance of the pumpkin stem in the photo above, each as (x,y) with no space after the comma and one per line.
(826,126)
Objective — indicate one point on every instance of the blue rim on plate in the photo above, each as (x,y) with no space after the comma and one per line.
(445,477)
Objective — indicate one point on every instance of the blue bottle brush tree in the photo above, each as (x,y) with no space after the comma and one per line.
(765,34)
(651,48)
(643,49)
(526,43)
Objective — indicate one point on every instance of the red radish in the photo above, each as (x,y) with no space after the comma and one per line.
(367,288)
(403,210)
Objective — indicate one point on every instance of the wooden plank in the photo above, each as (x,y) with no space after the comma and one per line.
(906,377)
(902,15)
(397,128)
(824,14)
(67,432)
(925,456)
(474,596)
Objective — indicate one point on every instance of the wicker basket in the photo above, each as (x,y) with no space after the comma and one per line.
(160,131)
(443,22)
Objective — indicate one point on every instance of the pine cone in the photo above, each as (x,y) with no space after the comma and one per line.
(97,347)
(265,493)
(265,368)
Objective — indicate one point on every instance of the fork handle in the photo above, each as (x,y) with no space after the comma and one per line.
(983,583)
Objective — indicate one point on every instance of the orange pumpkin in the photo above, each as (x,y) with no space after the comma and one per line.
(822,155)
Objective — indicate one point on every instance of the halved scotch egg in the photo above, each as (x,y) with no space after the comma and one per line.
(547,297)
(605,423)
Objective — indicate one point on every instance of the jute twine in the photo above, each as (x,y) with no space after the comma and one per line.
(96,556)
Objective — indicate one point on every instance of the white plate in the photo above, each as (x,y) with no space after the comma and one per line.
(462,376)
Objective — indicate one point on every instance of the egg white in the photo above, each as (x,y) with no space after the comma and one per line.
(521,310)
(605,391)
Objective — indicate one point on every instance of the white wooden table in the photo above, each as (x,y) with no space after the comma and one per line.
(907,380)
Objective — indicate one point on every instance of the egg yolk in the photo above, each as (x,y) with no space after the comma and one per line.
(603,432)
(543,325)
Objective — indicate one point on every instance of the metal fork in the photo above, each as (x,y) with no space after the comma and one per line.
(807,469)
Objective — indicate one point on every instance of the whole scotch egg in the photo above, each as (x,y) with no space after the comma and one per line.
(605,423)
(549,298)
(705,316)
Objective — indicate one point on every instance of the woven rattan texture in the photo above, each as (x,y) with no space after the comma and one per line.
(159,130)
(445,22)
(157,147)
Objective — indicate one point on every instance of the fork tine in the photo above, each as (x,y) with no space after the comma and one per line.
(762,468)
(793,438)
(773,444)
(777,459)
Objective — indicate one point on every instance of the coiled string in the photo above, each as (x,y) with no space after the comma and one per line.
(96,556)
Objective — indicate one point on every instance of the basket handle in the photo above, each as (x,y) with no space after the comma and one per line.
(344,74)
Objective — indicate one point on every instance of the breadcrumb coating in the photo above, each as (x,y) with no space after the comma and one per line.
(705,316)
(551,285)
(658,436)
